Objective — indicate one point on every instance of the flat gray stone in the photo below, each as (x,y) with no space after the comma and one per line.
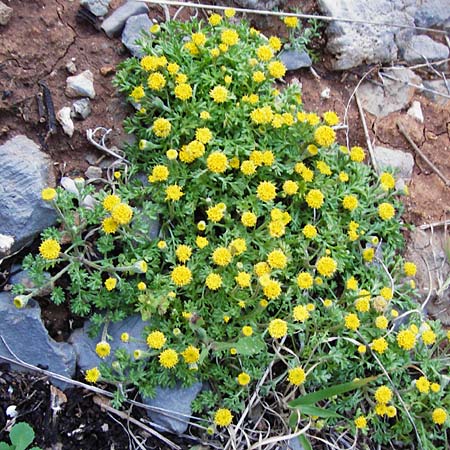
(433,13)
(295,59)
(84,346)
(93,172)
(392,96)
(439,87)
(81,109)
(81,85)
(416,111)
(402,162)
(5,13)
(63,117)
(114,24)
(97,7)
(422,48)
(133,31)
(178,401)
(25,334)
(353,44)
(25,172)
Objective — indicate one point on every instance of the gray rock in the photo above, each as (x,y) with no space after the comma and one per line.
(63,117)
(402,162)
(81,85)
(433,13)
(25,334)
(25,172)
(93,172)
(97,7)
(353,44)
(81,109)
(71,67)
(114,24)
(438,86)
(84,346)
(178,402)
(133,31)
(422,48)
(261,4)
(19,276)
(392,96)
(293,444)
(295,59)
(6,243)
(5,13)
(416,111)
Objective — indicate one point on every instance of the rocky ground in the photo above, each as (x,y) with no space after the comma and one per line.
(400,78)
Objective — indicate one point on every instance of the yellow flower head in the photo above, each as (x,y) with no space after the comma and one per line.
(296,376)
(305,280)
(357,154)
(410,269)
(222,256)
(330,118)
(183,253)
(183,91)
(156,340)
(122,213)
(215,213)
(266,191)
(198,39)
(247,330)
(309,231)
(48,194)
(264,53)
(214,19)
(103,349)
(271,289)
(379,345)
(350,202)
(324,136)
(387,181)
(423,385)
(300,313)
(168,358)
(368,254)
(125,337)
(49,249)
(217,162)
(277,328)
(229,37)
(201,242)
(156,81)
(213,281)
(314,198)
(243,378)
(439,416)
(386,211)
(275,43)
(277,259)
(219,94)
(277,69)
(110,201)
(360,422)
(291,22)
(406,339)
(110,283)
(161,127)
(191,355)
(230,12)
(174,192)
(92,375)
(326,266)
(290,187)
(351,321)
(258,76)
(223,417)
(181,276)
(383,395)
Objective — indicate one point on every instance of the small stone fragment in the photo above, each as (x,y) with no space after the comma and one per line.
(416,111)
(326,93)
(402,161)
(81,109)
(422,49)
(63,117)
(6,243)
(439,87)
(81,85)
(114,24)
(5,13)
(133,31)
(295,59)
(97,7)
(93,172)
(107,70)
(71,67)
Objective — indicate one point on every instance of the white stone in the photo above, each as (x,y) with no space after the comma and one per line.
(326,93)
(63,117)
(6,243)
(416,111)
(81,85)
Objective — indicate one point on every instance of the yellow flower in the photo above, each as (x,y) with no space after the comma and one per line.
(215,213)
(103,349)
(201,242)
(423,385)
(300,313)
(156,340)
(351,321)
(383,395)
(357,154)
(362,304)
(155,28)
(261,268)
(110,201)
(174,192)
(314,198)
(275,43)
(219,94)
(214,19)
(277,328)
(272,289)
(229,37)
(266,191)
(277,259)
(150,63)
(258,76)
(213,281)
(159,173)
(137,93)
(326,266)
(191,355)
(181,275)
(323,168)
(243,378)
(291,22)
(168,358)
(48,194)
(183,253)
(217,162)
(49,249)
(435,387)
(381,322)
(410,269)
(406,339)
(203,135)
(247,330)
(223,417)
(192,48)
(386,211)
(262,115)
(362,349)
(122,213)
(350,202)
(439,416)
(230,12)
(162,245)
(248,219)
(428,337)
(296,376)
(172,154)
(327,303)
(277,69)
(343,177)
(290,187)
(92,375)
(324,136)
(173,68)
(360,422)
(198,39)
(222,48)
(264,53)
(181,78)
(161,127)
(183,91)
(110,283)
(379,345)
(352,284)
(386,293)
(222,256)
(309,231)
(204,115)
(368,254)
(330,118)
(305,280)
(156,81)
(140,266)
(243,279)
(387,181)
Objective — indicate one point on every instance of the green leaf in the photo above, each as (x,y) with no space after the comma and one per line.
(21,435)
(5,446)
(329,392)
(304,442)
(250,345)
(311,410)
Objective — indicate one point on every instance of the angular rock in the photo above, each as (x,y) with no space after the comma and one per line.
(81,85)
(402,162)
(295,59)
(422,48)
(25,334)
(25,172)
(81,109)
(71,67)
(63,117)
(84,346)
(6,243)
(392,96)
(97,7)
(93,172)
(114,24)
(433,13)
(353,44)
(416,111)
(133,31)
(439,87)
(177,402)
(5,13)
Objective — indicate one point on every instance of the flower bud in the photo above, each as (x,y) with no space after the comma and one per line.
(20,301)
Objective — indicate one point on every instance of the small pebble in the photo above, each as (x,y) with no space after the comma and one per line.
(107,70)
(81,109)
(326,93)
(63,117)
(93,172)
(71,68)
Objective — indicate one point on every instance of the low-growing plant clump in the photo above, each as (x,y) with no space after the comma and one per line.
(278,254)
